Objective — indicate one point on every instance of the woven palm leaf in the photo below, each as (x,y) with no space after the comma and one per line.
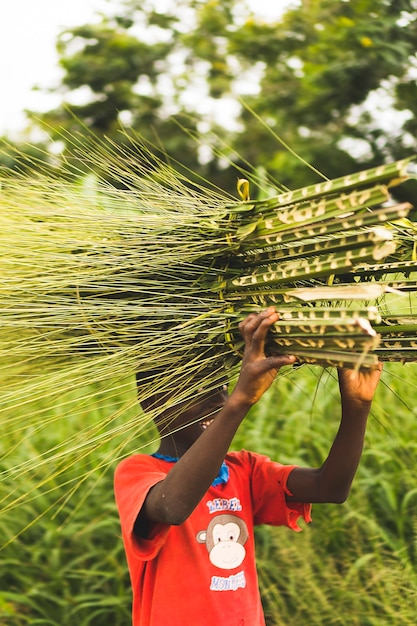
(156,276)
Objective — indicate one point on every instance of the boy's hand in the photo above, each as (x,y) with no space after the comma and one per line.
(258,371)
(359,386)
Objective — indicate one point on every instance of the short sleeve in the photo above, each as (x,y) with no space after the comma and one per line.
(132,481)
(269,490)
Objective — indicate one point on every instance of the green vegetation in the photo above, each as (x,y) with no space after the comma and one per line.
(355,564)
(95,283)
(113,262)
(335,81)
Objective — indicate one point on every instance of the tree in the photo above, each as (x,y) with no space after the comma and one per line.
(316,77)
(115,74)
(325,66)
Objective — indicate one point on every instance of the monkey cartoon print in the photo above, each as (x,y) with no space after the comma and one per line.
(225,540)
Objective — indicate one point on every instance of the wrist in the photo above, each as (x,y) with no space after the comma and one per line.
(239,402)
(356,407)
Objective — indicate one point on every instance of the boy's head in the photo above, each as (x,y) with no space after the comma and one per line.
(192,401)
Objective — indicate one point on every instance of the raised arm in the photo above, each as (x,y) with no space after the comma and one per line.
(331,482)
(172,500)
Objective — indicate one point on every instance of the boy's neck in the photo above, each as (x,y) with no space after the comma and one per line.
(170,447)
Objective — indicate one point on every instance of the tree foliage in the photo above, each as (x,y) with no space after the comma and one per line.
(334,80)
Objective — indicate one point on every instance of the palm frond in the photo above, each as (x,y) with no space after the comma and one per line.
(155,276)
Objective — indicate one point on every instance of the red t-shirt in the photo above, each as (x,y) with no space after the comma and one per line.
(203,572)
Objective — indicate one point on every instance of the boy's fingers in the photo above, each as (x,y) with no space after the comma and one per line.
(261,321)
(274,363)
(280,361)
(259,334)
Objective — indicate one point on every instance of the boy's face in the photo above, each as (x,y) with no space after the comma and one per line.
(189,419)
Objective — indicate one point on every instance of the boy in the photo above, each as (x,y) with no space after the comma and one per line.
(188,513)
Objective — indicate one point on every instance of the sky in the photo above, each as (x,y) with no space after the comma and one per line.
(28,59)
(28,34)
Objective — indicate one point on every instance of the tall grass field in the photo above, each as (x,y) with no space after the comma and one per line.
(62,559)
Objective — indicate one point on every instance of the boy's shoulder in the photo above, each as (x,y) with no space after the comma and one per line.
(140,463)
(143,463)
(246,456)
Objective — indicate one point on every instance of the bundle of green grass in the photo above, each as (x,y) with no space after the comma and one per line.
(161,271)
(152,274)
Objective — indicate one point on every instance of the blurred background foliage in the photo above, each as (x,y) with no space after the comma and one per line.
(218,89)
(336,81)
(356,564)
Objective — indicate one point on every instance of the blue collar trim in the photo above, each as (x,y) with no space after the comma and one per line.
(221,478)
